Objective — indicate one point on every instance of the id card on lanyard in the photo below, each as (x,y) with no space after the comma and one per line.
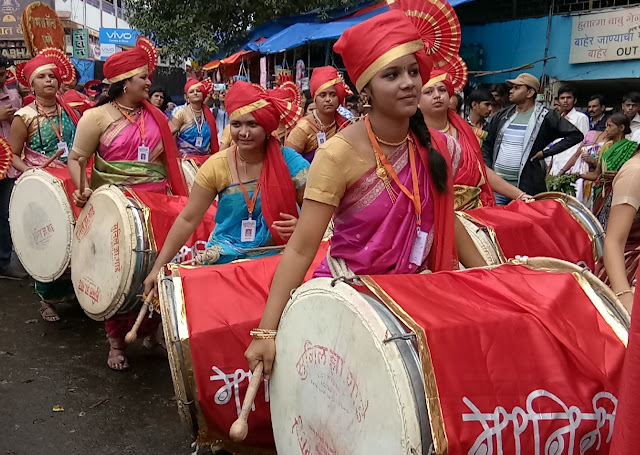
(143,150)
(249,226)
(62,144)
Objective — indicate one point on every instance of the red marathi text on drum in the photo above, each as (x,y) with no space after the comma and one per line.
(85,224)
(43,234)
(89,288)
(115,247)
(326,380)
(320,445)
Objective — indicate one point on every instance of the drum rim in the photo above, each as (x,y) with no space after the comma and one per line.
(468,221)
(582,215)
(175,351)
(397,374)
(128,216)
(60,194)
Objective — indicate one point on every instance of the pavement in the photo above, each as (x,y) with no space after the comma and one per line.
(48,366)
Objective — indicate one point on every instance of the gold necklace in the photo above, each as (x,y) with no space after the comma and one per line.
(124,108)
(446,128)
(392,144)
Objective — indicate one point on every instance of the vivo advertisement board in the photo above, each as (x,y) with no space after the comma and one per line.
(119,36)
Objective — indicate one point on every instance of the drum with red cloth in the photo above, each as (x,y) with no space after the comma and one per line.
(523,358)
(116,241)
(207,314)
(554,225)
(42,217)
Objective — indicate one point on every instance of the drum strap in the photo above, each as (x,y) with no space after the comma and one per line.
(339,268)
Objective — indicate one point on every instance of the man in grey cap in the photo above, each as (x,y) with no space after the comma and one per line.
(515,147)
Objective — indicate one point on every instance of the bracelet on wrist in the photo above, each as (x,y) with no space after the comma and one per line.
(621,293)
(263,334)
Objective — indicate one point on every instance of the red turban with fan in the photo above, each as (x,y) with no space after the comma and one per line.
(278,194)
(368,47)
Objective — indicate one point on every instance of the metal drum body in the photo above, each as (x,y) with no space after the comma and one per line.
(362,360)
(111,253)
(42,222)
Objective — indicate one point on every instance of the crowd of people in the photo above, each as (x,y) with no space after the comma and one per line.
(387,166)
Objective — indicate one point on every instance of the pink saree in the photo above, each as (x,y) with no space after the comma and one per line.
(375,236)
(118,155)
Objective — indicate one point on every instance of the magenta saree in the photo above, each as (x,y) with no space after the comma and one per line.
(366,216)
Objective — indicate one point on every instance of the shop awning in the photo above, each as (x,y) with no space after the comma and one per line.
(211,65)
(302,33)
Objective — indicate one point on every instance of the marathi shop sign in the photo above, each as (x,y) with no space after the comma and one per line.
(605,36)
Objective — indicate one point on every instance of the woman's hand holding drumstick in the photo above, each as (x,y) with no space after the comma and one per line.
(81,195)
(240,427)
(57,155)
(133,333)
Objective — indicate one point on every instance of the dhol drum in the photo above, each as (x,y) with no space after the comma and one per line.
(117,237)
(206,339)
(554,225)
(520,358)
(42,218)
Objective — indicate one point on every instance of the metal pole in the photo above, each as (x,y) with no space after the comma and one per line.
(546,49)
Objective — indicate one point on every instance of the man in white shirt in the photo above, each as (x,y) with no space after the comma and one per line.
(630,107)
(567,100)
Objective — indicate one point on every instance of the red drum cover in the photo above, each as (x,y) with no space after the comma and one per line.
(515,360)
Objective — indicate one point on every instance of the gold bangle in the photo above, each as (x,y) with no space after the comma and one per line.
(263,334)
(621,293)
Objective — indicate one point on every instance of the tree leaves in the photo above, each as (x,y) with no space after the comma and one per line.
(199,28)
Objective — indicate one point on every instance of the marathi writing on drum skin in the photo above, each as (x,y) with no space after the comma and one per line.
(115,247)
(320,446)
(43,234)
(89,288)
(334,365)
(494,423)
(85,224)
(231,387)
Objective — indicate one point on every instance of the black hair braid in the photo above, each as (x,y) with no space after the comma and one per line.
(437,163)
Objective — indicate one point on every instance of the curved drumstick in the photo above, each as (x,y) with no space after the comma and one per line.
(240,427)
(132,335)
(82,161)
(57,155)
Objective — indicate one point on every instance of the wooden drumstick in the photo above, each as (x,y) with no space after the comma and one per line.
(133,333)
(57,155)
(240,427)
(82,161)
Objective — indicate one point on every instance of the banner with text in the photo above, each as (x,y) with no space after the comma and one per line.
(605,37)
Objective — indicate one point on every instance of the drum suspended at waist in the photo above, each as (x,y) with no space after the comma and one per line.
(207,314)
(116,241)
(555,225)
(503,360)
(41,218)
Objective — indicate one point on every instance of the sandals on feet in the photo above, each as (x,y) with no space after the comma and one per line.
(48,312)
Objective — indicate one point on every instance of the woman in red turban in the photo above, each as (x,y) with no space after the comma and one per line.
(132,145)
(328,91)
(383,180)
(259,184)
(128,136)
(473,182)
(194,123)
(43,129)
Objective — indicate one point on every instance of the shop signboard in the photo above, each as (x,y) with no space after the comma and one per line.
(80,43)
(14,50)
(603,37)
(119,36)
(10,14)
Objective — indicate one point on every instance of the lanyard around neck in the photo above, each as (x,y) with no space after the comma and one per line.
(251,203)
(56,129)
(133,122)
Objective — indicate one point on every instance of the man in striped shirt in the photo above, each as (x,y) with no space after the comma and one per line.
(519,134)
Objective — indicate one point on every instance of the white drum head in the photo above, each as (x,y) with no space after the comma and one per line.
(41,221)
(190,170)
(337,387)
(102,255)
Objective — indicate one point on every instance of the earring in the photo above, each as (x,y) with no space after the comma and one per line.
(366,104)
(124,89)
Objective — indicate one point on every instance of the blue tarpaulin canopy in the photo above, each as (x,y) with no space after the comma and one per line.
(304,32)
